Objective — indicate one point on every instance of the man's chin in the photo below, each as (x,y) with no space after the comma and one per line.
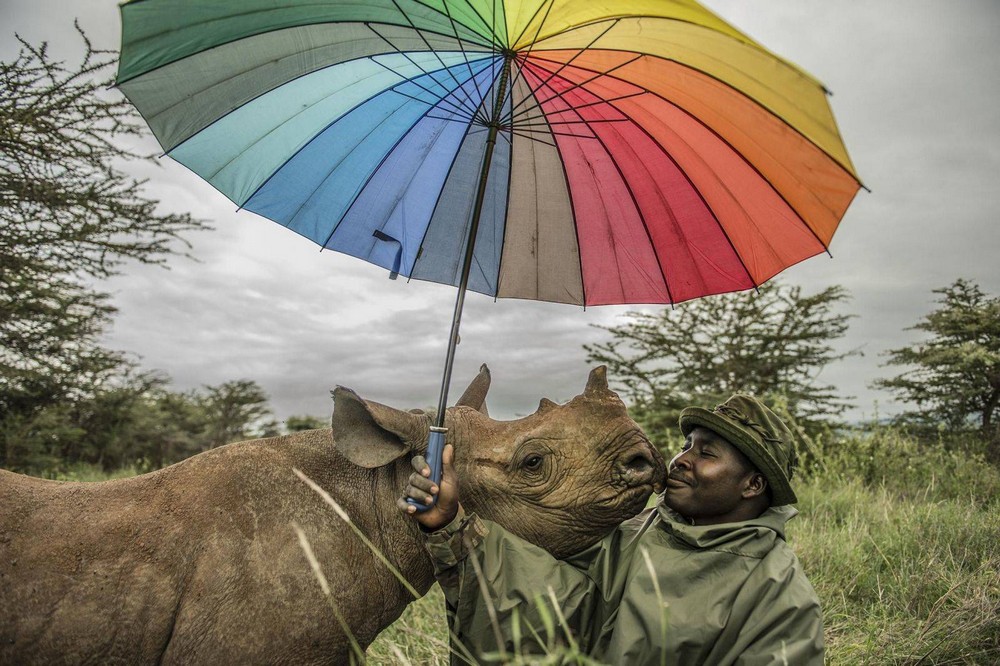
(670,498)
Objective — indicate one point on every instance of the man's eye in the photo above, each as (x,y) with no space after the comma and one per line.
(533,462)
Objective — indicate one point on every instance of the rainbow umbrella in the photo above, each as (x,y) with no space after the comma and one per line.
(577,151)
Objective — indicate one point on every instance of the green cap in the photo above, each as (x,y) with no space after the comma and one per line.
(751,427)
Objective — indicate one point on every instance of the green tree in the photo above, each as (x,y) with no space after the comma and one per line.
(772,343)
(299,423)
(234,410)
(953,376)
(69,216)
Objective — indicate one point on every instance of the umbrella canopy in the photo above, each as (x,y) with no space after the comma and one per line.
(614,151)
(578,151)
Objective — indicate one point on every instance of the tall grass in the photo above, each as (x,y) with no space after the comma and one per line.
(901,540)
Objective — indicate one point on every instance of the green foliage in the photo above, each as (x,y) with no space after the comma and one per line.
(234,410)
(135,422)
(69,216)
(771,344)
(298,423)
(906,465)
(953,377)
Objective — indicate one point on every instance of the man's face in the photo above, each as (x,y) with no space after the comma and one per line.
(708,479)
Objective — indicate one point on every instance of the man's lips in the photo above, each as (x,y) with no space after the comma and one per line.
(676,480)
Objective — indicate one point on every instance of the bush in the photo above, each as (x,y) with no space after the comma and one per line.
(892,459)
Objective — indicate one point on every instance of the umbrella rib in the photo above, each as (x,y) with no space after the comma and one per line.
(729,240)
(434,51)
(574,86)
(542,23)
(635,204)
(430,74)
(575,56)
(572,206)
(525,135)
(702,72)
(458,109)
(461,46)
(369,178)
(530,45)
(420,248)
(452,120)
(724,140)
(525,122)
(573,122)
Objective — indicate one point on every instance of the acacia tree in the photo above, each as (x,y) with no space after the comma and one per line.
(69,216)
(236,410)
(953,377)
(772,343)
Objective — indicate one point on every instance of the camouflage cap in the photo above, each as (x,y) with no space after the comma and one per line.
(750,426)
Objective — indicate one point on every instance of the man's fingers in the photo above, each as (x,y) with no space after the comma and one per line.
(419,494)
(422,483)
(405,506)
(448,455)
(420,465)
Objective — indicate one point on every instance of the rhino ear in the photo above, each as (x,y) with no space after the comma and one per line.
(475,395)
(545,405)
(370,434)
(597,382)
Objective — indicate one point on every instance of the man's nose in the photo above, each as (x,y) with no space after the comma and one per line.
(680,460)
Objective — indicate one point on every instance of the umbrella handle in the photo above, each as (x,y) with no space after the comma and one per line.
(435,449)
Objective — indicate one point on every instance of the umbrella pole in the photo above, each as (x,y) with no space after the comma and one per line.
(435,443)
(463,284)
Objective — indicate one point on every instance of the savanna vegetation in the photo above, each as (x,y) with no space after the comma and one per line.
(72,216)
(900,518)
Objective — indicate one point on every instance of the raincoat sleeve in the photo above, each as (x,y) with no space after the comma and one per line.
(506,594)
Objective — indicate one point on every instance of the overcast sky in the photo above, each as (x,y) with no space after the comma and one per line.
(916,95)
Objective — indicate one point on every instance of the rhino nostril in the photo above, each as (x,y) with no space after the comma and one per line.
(638,466)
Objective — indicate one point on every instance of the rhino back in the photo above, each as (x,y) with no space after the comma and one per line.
(198,561)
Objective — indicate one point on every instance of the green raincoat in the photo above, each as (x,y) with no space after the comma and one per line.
(655,591)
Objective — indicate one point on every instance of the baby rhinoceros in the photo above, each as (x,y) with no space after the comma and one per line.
(198,563)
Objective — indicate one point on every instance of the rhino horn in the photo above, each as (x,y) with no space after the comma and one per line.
(597,382)
(370,434)
(545,405)
(475,395)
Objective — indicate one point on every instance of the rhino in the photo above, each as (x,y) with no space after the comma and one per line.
(198,563)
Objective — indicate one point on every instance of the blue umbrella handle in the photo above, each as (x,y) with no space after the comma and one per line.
(435,448)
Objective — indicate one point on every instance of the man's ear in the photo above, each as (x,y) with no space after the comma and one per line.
(756,486)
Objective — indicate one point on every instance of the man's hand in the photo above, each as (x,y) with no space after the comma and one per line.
(422,489)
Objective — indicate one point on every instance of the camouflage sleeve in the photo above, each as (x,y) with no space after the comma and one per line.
(452,543)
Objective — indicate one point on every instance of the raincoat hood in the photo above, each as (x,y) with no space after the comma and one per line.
(752,538)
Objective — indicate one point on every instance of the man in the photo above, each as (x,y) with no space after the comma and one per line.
(704,578)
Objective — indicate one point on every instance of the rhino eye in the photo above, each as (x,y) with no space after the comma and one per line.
(533,462)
